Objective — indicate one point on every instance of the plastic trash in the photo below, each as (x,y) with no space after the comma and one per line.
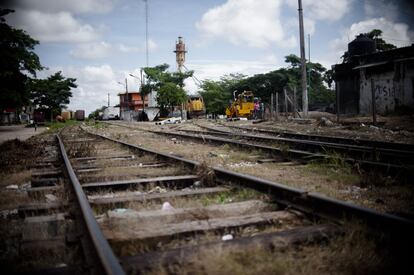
(12,187)
(51,198)
(167,206)
(119,210)
(227,237)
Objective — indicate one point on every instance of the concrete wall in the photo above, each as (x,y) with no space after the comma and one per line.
(392,90)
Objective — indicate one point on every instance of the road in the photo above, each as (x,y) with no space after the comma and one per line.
(19,132)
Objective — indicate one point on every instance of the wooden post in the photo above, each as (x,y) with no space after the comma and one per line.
(271,106)
(294,102)
(286,103)
(277,106)
(337,101)
(374,107)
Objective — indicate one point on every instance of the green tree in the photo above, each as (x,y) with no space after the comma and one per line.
(95,114)
(216,98)
(52,93)
(170,95)
(169,86)
(218,94)
(381,44)
(18,63)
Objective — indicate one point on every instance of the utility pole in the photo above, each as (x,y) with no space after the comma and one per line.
(126,93)
(146,30)
(108,100)
(303,62)
(142,92)
(309,61)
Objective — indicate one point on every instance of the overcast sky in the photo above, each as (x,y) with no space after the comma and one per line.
(99,42)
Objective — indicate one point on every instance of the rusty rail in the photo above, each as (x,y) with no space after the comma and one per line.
(109,263)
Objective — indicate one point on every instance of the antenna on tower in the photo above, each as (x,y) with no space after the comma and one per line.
(180,53)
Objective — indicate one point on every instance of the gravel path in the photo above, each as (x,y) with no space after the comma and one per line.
(19,132)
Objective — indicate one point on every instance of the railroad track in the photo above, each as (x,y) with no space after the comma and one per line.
(325,138)
(146,210)
(385,152)
(280,153)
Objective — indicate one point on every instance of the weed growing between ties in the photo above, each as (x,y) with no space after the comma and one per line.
(354,252)
(96,124)
(206,175)
(16,153)
(336,169)
(233,195)
(55,126)
(81,149)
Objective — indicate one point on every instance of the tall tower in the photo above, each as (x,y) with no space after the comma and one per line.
(180,53)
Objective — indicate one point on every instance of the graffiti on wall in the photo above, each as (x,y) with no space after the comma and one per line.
(387,95)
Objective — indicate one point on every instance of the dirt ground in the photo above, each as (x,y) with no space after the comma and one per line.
(389,128)
(18,132)
(335,180)
(349,254)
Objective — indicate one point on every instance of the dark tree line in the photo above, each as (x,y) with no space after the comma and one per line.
(18,67)
(217,94)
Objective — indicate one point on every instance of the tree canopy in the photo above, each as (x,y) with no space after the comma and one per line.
(52,93)
(381,44)
(168,85)
(217,94)
(18,63)
(18,67)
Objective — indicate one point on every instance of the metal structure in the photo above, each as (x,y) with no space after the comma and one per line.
(146,32)
(180,53)
(108,260)
(303,62)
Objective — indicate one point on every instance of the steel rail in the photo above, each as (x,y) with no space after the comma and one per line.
(394,153)
(108,260)
(308,202)
(355,141)
(394,169)
(303,155)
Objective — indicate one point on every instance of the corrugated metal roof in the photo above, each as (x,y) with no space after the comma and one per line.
(370,65)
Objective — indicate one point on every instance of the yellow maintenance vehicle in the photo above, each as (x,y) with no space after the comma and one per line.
(242,106)
(195,106)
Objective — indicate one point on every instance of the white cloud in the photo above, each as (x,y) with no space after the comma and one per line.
(72,6)
(391,30)
(381,8)
(102,49)
(54,27)
(331,10)
(254,23)
(92,50)
(394,33)
(94,84)
(214,70)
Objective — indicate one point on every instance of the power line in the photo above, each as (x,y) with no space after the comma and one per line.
(195,79)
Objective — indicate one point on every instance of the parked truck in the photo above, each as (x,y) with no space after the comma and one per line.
(80,115)
(110,113)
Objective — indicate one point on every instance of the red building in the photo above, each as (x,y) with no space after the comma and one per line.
(133,102)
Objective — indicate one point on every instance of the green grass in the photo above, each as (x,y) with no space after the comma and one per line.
(334,170)
(235,195)
(56,126)
(97,125)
